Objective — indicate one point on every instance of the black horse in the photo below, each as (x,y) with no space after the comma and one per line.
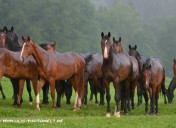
(171,88)
(10,41)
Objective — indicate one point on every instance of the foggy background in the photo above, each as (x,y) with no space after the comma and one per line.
(76,25)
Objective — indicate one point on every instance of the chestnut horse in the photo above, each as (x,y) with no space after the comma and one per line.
(9,40)
(62,86)
(12,67)
(153,75)
(116,68)
(56,66)
(135,70)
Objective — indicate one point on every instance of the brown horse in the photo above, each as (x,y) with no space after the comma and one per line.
(116,68)
(153,78)
(56,66)
(12,67)
(117,45)
(9,40)
(135,70)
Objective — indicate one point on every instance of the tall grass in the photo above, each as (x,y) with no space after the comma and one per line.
(88,116)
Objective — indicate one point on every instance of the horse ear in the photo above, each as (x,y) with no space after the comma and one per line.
(119,39)
(109,34)
(113,39)
(135,47)
(5,29)
(28,38)
(129,46)
(102,35)
(22,38)
(12,29)
(54,44)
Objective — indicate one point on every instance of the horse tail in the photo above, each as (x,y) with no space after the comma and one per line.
(163,88)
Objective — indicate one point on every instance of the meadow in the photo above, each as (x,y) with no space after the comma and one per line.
(88,116)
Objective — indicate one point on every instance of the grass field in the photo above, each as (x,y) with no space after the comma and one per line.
(89,116)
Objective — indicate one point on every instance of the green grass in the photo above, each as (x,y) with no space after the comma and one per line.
(89,116)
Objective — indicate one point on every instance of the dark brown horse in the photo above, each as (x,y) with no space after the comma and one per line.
(153,78)
(9,40)
(12,67)
(174,67)
(117,47)
(93,74)
(56,66)
(116,68)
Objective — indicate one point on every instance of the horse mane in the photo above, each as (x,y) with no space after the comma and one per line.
(88,59)
(44,46)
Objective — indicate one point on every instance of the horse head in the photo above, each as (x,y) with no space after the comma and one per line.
(105,45)
(146,73)
(27,48)
(117,47)
(3,33)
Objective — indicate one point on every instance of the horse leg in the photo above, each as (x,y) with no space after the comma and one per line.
(20,93)
(59,89)
(15,84)
(117,97)
(102,91)
(91,90)
(28,85)
(134,83)
(156,100)
(45,93)
(39,86)
(127,89)
(139,92)
(152,103)
(34,84)
(108,97)
(52,87)
(3,95)
(146,101)
(68,91)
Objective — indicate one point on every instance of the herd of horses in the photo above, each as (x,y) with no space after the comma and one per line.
(46,68)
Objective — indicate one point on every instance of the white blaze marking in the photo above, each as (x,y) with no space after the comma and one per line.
(105,51)
(22,52)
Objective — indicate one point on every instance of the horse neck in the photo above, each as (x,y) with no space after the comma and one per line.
(172,85)
(111,56)
(40,55)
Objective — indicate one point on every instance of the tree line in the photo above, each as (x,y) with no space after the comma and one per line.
(76,25)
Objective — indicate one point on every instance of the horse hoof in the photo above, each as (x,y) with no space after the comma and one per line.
(126,114)
(4,97)
(117,114)
(157,113)
(76,109)
(108,115)
(97,104)
(30,103)
(38,108)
